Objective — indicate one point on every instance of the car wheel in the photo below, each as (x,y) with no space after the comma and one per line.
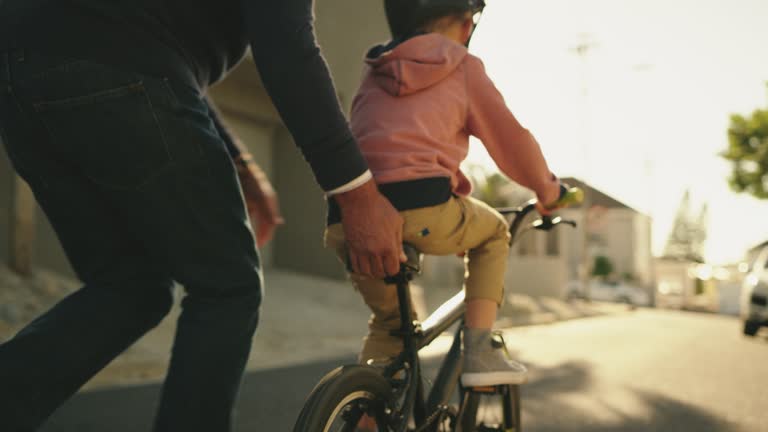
(751,327)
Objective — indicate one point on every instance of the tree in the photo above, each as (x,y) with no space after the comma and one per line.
(603,266)
(748,151)
(494,188)
(689,232)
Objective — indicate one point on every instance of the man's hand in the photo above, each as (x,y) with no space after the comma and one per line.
(373,230)
(260,199)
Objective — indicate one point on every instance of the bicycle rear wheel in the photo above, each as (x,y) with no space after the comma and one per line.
(342,397)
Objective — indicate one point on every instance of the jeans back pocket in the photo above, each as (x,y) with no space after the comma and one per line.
(103,121)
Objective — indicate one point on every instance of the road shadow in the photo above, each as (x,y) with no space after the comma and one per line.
(565,398)
(663,414)
(270,400)
(562,398)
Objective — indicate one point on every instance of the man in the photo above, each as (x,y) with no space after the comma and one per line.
(103,112)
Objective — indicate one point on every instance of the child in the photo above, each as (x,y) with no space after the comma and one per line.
(421,98)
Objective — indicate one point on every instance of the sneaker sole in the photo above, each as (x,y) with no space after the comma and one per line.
(484,379)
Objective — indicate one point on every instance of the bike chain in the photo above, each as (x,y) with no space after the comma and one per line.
(438,415)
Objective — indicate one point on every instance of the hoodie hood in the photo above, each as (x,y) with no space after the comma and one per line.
(403,68)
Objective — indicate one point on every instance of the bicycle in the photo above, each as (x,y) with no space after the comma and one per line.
(394,396)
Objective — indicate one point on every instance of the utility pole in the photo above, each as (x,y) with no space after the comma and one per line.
(649,156)
(583,50)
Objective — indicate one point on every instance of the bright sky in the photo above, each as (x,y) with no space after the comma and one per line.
(662,79)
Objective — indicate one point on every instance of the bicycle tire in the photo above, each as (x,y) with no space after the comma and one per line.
(353,386)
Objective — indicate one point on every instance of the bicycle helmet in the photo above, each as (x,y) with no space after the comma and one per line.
(406,17)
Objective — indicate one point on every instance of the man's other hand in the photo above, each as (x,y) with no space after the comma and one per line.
(260,200)
(373,230)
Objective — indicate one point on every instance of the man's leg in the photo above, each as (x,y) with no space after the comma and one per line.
(125,293)
(149,148)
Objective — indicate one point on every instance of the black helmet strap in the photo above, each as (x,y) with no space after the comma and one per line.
(478,16)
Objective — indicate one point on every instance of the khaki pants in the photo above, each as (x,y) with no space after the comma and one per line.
(462,224)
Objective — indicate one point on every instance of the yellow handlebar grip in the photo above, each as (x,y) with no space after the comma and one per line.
(571,197)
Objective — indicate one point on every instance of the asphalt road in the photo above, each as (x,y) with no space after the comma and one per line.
(641,371)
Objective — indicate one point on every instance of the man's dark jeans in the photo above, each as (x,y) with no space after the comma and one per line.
(141,192)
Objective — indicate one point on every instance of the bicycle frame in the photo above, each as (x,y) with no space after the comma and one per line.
(418,335)
(415,337)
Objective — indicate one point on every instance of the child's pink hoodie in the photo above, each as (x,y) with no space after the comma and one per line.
(418,105)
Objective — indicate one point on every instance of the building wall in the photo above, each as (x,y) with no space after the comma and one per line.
(298,245)
(622,235)
(643,251)
(537,276)
(573,239)
(615,239)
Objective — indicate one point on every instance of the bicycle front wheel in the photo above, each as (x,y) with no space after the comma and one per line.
(343,397)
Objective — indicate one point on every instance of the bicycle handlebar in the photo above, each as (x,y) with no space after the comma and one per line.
(568,196)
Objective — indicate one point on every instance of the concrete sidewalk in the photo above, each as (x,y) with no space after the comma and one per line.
(303,319)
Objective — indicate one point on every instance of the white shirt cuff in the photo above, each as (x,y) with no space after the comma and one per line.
(354,184)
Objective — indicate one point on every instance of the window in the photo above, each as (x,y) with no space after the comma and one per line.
(529,243)
(553,243)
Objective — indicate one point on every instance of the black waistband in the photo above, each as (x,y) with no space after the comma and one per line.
(406,195)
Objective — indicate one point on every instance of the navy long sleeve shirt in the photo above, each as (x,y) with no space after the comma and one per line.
(198,42)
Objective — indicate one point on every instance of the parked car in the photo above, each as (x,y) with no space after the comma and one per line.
(618,292)
(754,295)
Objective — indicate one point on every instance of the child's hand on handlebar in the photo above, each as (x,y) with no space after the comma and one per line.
(568,196)
(549,202)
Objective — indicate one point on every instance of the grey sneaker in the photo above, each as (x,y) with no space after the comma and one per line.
(485,365)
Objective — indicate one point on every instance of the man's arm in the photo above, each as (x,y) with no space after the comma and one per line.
(260,198)
(234,146)
(297,79)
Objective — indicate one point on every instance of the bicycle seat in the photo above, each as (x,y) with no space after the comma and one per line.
(410,268)
(414,256)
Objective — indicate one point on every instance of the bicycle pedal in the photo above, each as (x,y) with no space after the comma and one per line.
(484,428)
(498,389)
